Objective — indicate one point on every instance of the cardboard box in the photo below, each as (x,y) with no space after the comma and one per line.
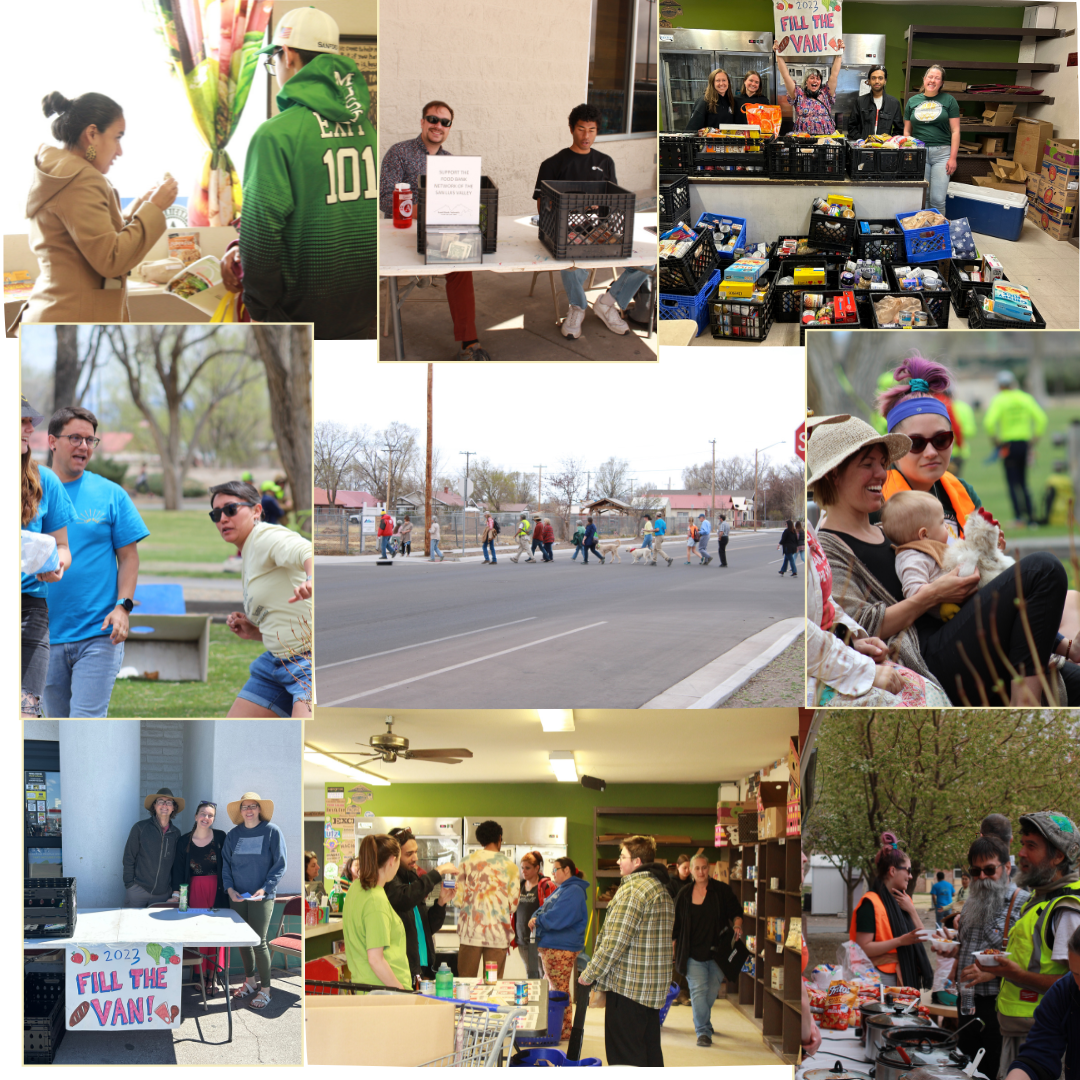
(1059,177)
(773,823)
(993,144)
(1031,136)
(1064,153)
(1032,184)
(336,1026)
(954,87)
(999,115)
(1013,171)
(1057,202)
(999,185)
(727,813)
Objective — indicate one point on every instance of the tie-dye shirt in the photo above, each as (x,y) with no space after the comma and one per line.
(486,898)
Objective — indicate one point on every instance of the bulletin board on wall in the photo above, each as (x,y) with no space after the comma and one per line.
(363,51)
(344,803)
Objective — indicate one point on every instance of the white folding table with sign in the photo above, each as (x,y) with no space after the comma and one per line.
(129,961)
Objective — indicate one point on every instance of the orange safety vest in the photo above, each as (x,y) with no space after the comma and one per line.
(958,494)
(882,932)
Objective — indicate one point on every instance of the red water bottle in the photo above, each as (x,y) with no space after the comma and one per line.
(403,206)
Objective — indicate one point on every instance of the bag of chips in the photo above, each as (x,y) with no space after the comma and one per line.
(841,1007)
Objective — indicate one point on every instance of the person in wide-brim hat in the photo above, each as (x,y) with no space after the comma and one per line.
(266,807)
(148,802)
(151,850)
(834,439)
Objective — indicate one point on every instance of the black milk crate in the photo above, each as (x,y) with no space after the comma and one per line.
(960,289)
(860,317)
(787,299)
(937,302)
(888,248)
(48,901)
(676,152)
(885,163)
(43,1017)
(730,154)
(806,159)
(586,219)
(985,320)
(832,232)
(673,202)
(742,319)
(684,275)
(489,215)
(931,322)
(825,255)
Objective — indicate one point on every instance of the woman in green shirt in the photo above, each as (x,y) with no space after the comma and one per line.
(374,935)
(934,118)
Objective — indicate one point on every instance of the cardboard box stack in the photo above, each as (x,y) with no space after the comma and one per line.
(772,810)
(794,797)
(1031,136)
(1054,208)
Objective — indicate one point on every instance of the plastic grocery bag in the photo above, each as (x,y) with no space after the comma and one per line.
(944,968)
(39,554)
(854,963)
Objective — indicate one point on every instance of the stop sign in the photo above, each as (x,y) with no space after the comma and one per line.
(800,440)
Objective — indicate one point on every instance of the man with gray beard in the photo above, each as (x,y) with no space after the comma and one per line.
(992,907)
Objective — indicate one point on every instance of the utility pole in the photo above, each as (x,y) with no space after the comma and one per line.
(712,484)
(539,477)
(465,495)
(427,467)
(631,491)
(756,452)
(588,477)
(389,474)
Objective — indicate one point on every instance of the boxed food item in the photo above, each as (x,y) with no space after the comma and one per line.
(746,269)
(841,200)
(1031,137)
(200,284)
(1061,202)
(735,289)
(778,978)
(809,275)
(1012,301)
(1060,227)
(1064,153)
(183,244)
(1060,176)
(991,268)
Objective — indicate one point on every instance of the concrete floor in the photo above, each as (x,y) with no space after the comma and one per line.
(510,324)
(1049,268)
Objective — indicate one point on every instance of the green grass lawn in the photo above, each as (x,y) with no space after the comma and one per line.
(229,661)
(182,536)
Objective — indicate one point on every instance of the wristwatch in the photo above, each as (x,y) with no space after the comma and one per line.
(125,603)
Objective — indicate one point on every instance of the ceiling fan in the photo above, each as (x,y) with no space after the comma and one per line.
(390,747)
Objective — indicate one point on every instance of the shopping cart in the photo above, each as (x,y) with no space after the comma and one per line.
(483,1036)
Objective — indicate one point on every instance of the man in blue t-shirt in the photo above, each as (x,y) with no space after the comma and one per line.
(942,893)
(89,606)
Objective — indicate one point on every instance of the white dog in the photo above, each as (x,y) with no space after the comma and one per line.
(610,548)
(645,555)
(978,550)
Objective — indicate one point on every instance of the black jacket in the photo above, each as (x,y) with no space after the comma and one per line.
(406,891)
(676,884)
(149,855)
(723,116)
(789,542)
(181,870)
(725,907)
(865,115)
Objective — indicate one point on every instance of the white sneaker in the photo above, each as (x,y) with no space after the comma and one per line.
(606,308)
(571,325)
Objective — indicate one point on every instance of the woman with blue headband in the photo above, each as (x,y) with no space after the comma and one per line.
(865,582)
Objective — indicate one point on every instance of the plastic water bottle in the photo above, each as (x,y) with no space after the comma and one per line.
(444,982)
(967,999)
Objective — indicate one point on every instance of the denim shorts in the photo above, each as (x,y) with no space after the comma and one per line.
(277,683)
(35,652)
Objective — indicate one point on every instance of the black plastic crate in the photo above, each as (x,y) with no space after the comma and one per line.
(985,320)
(836,233)
(684,275)
(788,300)
(43,1017)
(742,319)
(729,154)
(931,322)
(885,163)
(825,255)
(937,302)
(806,159)
(961,289)
(489,215)
(586,219)
(860,316)
(888,248)
(676,152)
(49,907)
(673,200)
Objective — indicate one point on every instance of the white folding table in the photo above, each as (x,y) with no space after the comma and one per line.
(519,251)
(222,929)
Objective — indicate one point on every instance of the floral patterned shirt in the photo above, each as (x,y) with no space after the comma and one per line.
(486,898)
(814,116)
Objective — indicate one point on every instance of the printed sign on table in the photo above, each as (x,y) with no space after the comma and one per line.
(452,191)
(109,987)
(807,27)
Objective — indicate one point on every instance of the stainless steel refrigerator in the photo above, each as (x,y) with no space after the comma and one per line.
(546,835)
(688,56)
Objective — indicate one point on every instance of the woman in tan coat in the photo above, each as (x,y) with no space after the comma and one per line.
(86,248)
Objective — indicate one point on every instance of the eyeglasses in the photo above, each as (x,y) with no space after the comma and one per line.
(164,802)
(438,120)
(268,63)
(250,806)
(941,441)
(229,510)
(989,871)
(78,440)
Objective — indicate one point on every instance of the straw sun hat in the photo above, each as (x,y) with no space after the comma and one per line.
(164,792)
(266,807)
(833,439)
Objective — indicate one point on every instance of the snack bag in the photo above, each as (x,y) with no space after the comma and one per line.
(767,117)
(855,964)
(841,1007)
(822,975)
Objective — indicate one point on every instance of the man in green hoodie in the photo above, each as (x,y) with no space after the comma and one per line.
(307,233)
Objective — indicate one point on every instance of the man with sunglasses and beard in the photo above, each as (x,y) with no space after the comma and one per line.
(404,163)
(1038,943)
(991,909)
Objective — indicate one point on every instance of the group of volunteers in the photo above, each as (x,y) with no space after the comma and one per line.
(405,162)
(1029,915)
(78,595)
(306,251)
(239,869)
(910,624)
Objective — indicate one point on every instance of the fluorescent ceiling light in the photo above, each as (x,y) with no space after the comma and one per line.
(556,719)
(562,765)
(351,771)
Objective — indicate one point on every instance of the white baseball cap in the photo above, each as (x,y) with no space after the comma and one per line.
(306,28)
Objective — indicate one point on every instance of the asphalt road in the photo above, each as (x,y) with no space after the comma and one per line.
(445,635)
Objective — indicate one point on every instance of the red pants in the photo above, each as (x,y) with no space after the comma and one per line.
(201,894)
(459,293)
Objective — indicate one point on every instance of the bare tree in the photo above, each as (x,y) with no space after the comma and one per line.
(335,449)
(566,484)
(611,480)
(386,459)
(73,371)
(168,361)
(786,488)
(732,474)
(491,485)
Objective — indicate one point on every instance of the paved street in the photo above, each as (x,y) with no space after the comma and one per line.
(441,635)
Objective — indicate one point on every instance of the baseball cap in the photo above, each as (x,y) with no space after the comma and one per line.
(1057,830)
(305,28)
(30,412)
(1005,378)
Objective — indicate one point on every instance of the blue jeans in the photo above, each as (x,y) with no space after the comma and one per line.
(647,541)
(489,548)
(435,552)
(548,554)
(622,291)
(278,683)
(703,979)
(935,174)
(384,543)
(81,677)
(577,551)
(788,558)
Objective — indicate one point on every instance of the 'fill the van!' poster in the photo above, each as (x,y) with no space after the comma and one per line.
(807,27)
(114,987)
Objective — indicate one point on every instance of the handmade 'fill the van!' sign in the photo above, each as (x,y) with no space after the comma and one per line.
(808,27)
(109,987)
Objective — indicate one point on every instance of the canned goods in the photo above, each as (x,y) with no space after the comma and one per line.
(491,971)
(183,898)
(521,992)
(813,300)
(461,990)
(449,881)
(427,986)
(921,319)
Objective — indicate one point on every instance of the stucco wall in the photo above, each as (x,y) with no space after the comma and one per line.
(1062,84)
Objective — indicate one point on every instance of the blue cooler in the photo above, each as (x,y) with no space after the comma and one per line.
(989,211)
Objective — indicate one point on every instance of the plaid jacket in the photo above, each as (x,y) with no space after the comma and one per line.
(633,952)
(974,937)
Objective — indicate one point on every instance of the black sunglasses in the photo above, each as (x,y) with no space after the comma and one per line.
(229,510)
(978,871)
(941,441)
(438,120)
